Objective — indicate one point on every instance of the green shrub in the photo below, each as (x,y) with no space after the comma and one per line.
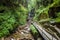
(11,18)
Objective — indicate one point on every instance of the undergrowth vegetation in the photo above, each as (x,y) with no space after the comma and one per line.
(12,15)
(15,12)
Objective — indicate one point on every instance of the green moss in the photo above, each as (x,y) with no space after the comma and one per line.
(34,31)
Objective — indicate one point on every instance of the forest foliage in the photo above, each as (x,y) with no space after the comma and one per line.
(15,12)
(43,8)
(12,14)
